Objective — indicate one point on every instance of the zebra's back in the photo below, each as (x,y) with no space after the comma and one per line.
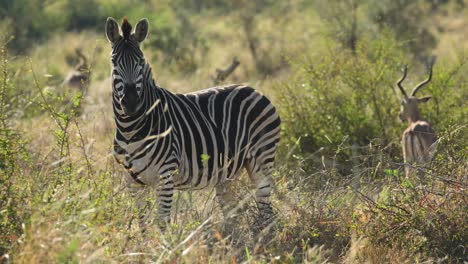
(218,130)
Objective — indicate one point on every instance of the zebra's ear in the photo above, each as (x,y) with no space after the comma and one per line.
(112,30)
(141,30)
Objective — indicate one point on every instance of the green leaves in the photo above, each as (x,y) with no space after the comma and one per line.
(205,158)
(391,172)
(343,98)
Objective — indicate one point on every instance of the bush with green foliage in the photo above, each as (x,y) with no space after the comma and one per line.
(31,22)
(341,128)
(13,160)
(428,220)
(338,100)
(411,20)
(348,21)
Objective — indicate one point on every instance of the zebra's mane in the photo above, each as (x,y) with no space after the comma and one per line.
(126,28)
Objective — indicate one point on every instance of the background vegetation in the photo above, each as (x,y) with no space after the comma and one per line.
(329,67)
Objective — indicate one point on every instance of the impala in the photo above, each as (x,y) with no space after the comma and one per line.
(419,139)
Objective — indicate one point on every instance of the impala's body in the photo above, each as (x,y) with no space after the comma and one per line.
(419,139)
(419,143)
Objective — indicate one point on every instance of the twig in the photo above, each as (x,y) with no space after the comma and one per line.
(221,75)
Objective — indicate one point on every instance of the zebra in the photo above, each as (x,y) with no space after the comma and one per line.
(192,141)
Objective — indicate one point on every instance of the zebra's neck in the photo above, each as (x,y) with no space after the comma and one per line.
(150,119)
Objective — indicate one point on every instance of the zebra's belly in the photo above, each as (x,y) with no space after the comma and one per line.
(138,165)
(208,176)
(143,169)
(186,176)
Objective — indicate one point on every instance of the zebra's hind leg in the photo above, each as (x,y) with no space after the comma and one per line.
(226,199)
(262,181)
(164,202)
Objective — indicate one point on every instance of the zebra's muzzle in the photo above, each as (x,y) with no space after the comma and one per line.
(129,101)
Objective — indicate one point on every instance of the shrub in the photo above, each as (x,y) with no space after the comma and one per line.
(411,20)
(341,102)
(177,40)
(337,100)
(429,220)
(13,157)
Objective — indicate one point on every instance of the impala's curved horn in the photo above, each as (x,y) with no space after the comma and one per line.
(400,81)
(429,65)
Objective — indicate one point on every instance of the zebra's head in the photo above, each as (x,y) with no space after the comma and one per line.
(128,63)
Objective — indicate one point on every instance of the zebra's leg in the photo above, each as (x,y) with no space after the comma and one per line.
(262,181)
(225,197)
(139,195)
(227,201)
(164,190)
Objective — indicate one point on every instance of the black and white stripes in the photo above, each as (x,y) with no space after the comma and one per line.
(188,141)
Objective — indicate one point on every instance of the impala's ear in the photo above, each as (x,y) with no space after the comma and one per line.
(141,30)
(112,30)
(424,99)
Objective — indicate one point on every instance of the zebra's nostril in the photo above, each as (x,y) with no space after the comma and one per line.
(123,101)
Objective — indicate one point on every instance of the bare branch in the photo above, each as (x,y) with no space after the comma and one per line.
(421,84)
(221,75)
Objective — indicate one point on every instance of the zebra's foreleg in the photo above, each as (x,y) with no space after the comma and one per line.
(140,196)
(165,192)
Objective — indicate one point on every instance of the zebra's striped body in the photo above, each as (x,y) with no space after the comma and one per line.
(208,136)
(189,141)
